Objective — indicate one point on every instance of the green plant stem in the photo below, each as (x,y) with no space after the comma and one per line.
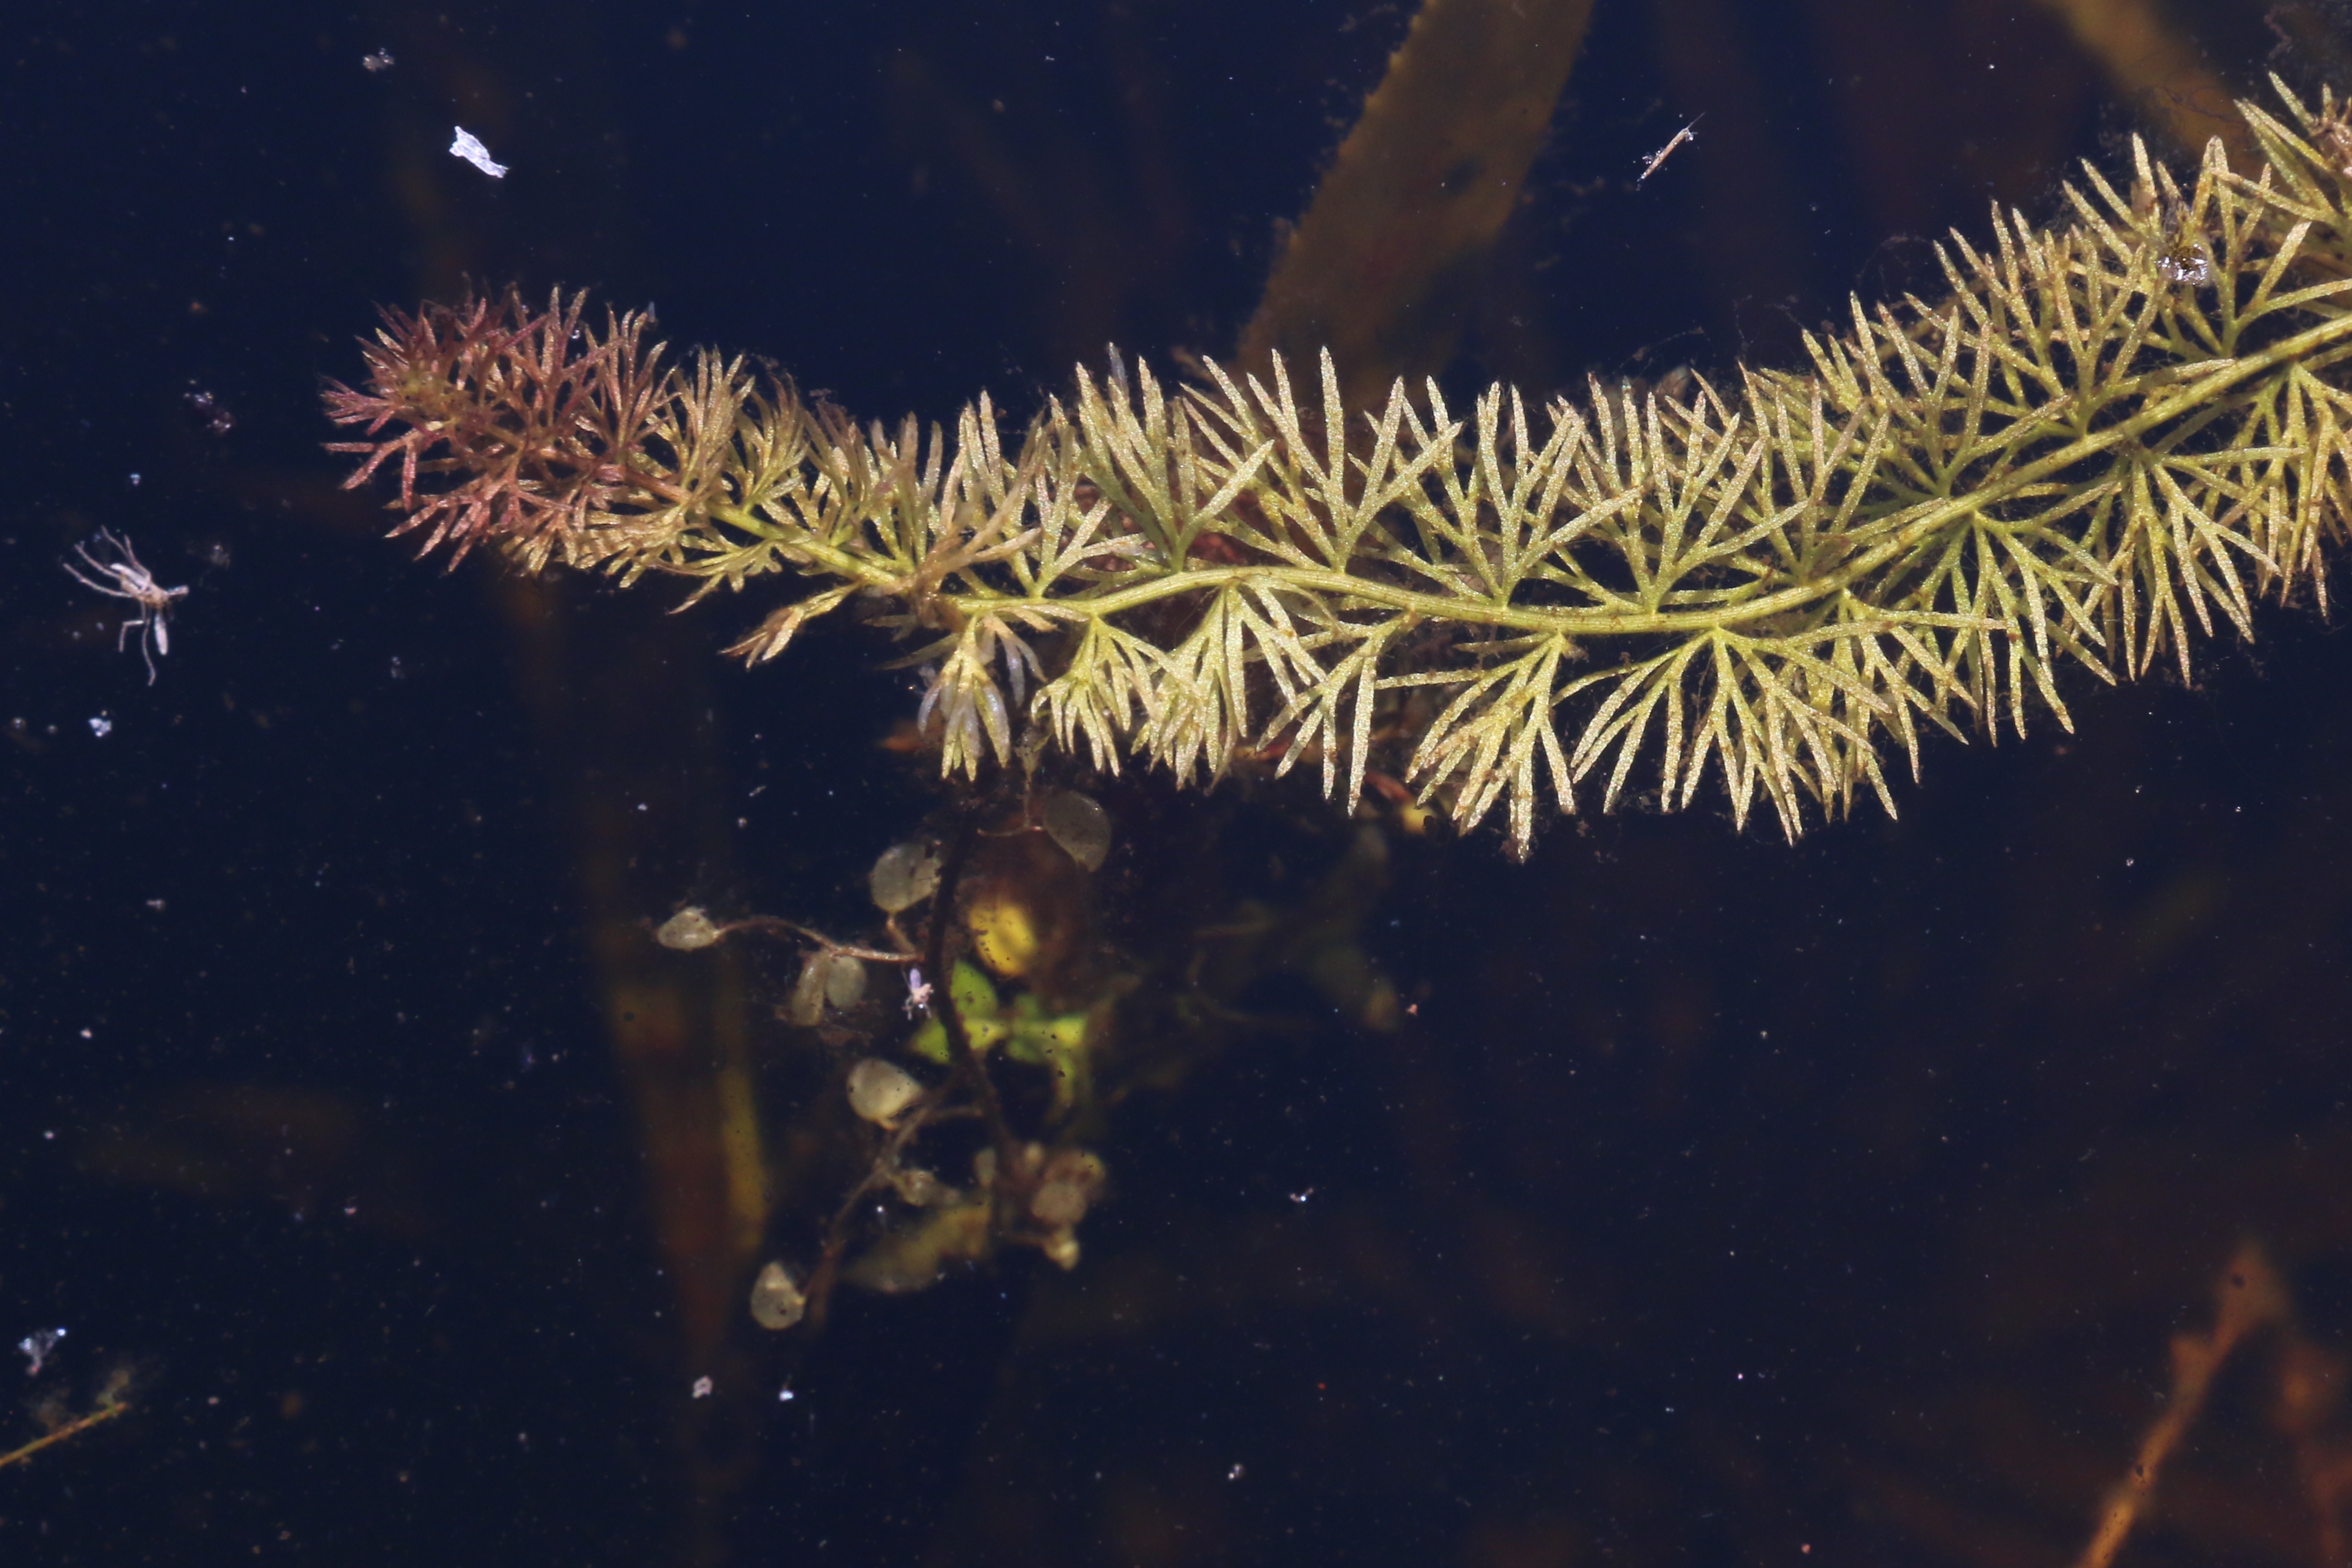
(1927,519)
(965,1061)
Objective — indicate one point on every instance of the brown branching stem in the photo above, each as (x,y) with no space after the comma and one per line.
(934,1107)
(926,1113)
(71,1429)
(2252,1297)
(771,926)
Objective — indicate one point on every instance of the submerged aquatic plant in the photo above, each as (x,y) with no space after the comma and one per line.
(2110,434)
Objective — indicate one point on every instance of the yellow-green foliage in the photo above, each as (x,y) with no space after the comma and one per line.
(2111,431)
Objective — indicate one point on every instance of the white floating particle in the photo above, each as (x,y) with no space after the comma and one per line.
(469,147)
(702,1388)
(102,727)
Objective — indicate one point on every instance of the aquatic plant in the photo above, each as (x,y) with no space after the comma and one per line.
(2114,432)
(1032,1177)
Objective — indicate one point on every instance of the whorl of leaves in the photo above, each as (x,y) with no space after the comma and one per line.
(2110,435)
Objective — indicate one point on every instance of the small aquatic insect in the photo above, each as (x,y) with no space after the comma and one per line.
(36,1348)
(2185,266)
(2184,260)
(124,577)
(1662,153)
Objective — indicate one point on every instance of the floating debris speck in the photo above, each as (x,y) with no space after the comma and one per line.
(469,147)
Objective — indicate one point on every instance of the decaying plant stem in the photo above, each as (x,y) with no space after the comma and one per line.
(2250,1296)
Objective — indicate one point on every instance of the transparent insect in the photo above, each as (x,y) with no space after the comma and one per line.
(36,1347)
(2186,267)
(2184,258)
(123,577)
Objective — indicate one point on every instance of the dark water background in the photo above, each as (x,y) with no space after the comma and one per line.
(1724,1202)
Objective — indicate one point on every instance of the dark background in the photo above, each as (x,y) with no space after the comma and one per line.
(1723,1197)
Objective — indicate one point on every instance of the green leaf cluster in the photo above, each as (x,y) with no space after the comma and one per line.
(1027,1032)
(2112,433)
